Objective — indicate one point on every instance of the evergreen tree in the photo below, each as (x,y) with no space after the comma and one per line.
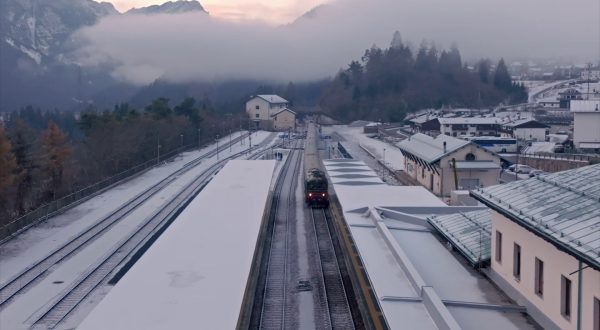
(502,78)
(483,68)
(188,109)
(159,108)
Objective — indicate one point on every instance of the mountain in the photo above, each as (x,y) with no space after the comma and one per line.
(35,38)
(170,7)
(39,28)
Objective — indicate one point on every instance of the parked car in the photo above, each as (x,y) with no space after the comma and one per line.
(520,168)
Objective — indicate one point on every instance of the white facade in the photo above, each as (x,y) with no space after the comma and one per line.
(530,134)
(440,178)
(586,128)
(284,120)
(543,301)
(261,109)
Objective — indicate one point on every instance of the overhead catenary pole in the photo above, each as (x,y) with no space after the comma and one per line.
(158,150)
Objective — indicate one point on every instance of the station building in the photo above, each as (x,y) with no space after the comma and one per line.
(527,130)
(445,163)
(545,245)
(271,112)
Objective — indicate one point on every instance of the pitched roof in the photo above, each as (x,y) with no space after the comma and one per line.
(526,123)
(282,110)
(431,149)
(563,208)
(469,232)
(585,106)
(272,98)
(469,120)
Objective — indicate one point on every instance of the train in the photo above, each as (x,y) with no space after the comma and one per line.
(316,187)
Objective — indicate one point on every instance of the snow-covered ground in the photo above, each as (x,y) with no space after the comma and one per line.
(36,242)
(196,272)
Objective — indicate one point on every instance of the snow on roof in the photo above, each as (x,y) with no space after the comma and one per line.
(283,110)
(468,121)
(563,208)
(272,98)
(585,106)
(523,122)
(469,232)
(431,149)
(195,274)
(537,147)
(407,266)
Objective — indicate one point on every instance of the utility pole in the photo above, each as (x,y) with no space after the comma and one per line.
(158,150)
(198,139)
(181,135)
(589,67)
(230,139)
(383,164)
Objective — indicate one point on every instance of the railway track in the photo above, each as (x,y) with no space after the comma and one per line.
(28,276)
(274,299)
(336,300)
(98,274)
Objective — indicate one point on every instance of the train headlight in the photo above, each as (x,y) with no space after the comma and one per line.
(323,195)
(309,194)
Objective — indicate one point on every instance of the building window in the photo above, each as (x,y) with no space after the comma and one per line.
(470,157)
(498,246)
(539,277)
(257,115)
(517,261)
(565,297)
(258,107)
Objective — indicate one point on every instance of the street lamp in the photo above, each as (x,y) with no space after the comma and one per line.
(217,139)
(198,139)
(230,139)
(383,164)
(181,136)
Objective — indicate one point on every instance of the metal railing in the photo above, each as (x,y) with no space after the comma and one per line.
(562,156)
(64,203)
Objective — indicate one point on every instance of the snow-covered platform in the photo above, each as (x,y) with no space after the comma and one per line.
(195,274)
(418,282)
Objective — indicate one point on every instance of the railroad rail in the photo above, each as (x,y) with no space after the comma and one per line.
(28,276)
(336,299)
(274,298)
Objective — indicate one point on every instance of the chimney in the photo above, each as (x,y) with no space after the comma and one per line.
(444,146)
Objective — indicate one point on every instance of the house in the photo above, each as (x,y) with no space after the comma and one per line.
(469,126)
(264,109)
(546,245)
(586,127)
(565,97)
(284,120)
(445,163)
(527,130)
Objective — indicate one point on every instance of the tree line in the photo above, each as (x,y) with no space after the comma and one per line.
(45,155)
(387,83)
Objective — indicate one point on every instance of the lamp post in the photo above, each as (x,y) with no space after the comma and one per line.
(217,139)
(181,148)
(198,139)
(158,150)
(383,164)
(230,139)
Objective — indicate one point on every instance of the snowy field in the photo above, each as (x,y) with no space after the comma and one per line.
(36,242)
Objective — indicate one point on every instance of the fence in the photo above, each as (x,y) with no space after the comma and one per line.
(566,156)
(62,204)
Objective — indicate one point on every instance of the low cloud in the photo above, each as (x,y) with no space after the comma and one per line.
(196,46)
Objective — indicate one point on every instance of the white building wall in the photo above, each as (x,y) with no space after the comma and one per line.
(284,120)
(586,127)
(530,134)
(258,109)
(556,263)
(487,177)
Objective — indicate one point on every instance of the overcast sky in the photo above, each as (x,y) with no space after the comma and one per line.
(206,47)
(273,11)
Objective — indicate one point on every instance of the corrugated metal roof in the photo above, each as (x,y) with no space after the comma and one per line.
(585,106)
(468,232)
(476,165)
(563,208)
(431,149)
(273,98)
